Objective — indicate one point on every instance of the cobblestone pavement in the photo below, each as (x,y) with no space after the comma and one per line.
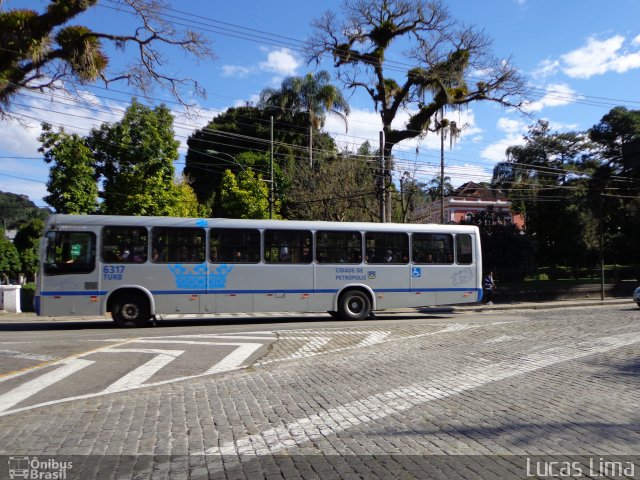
(489,395)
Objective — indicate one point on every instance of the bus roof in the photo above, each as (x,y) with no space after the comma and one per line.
(60,220)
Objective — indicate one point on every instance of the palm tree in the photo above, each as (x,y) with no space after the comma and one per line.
(311,94)
(445,127)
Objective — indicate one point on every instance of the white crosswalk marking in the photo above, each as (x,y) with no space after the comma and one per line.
(138,376)
(234,352)
(305,430)
(30,388)
(236,358)
(311,347)
(373,338)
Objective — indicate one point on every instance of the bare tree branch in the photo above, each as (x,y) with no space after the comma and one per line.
(41,51)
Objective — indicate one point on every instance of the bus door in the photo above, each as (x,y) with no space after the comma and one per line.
(69,281)
(463,278)
(387,269)
(285,280)
(432,266)
(444,267)
(178,272)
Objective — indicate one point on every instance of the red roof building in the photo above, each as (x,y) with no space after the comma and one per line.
(467,200)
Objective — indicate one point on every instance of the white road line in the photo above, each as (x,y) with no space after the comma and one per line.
(26,356)
(138,376)
(305,430)
(235,359)
(232,361)
(311,347)
(45,380)
(290,335)
(373,338)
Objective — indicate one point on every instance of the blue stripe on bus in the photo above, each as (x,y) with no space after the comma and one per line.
(253,292)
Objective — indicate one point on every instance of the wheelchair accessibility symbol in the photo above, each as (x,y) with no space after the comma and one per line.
(416,272)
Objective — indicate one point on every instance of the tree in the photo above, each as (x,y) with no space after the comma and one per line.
(9,258)
(42,52)
(240,138)
(72,184)
(506,250)
(135,159)
(312,96)
(27,242)
(16,209)
(546,178)
(183,202)
(217,146)
(336,188)
(614,189)
(244,195)
(445,55)
(435,188)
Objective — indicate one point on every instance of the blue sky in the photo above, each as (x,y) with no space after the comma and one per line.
(580,57)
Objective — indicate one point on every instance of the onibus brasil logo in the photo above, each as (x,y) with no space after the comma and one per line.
(35,468)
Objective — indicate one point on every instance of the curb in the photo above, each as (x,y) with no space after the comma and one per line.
(32,317)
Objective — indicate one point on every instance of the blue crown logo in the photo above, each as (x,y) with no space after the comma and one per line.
(195,277)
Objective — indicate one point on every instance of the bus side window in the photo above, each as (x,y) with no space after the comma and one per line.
(234,245)
(287,246)
(338,247)
(464,249)
(178,244)
(434,248)
(387,247)
(124,244)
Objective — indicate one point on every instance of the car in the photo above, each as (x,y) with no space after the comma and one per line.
(636,296)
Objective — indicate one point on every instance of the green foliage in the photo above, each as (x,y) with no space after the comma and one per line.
(184,202)
(132,159)
(579,202)
(135,159)
(71,159)
(506,250)
(245,195)
(27,243)
(16,209)
(312,95)
(10,264)
(239,139)
(339,188)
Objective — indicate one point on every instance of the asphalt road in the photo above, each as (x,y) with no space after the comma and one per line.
(449,394)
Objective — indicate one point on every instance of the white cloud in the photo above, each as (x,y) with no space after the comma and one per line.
(514,135)
(236,71)
(599,57)
(555,95)
(546,68)
(281,61)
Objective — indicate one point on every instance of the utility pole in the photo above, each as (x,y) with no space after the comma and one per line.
(441,175)
(271,168)
(381,182)
(311,146)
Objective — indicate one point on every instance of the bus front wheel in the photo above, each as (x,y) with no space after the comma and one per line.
(354,305)
(131,311)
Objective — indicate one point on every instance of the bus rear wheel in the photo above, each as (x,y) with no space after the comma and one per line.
(354,305)
(131,311)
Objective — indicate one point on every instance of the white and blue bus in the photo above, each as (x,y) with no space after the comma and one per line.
(140,268)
